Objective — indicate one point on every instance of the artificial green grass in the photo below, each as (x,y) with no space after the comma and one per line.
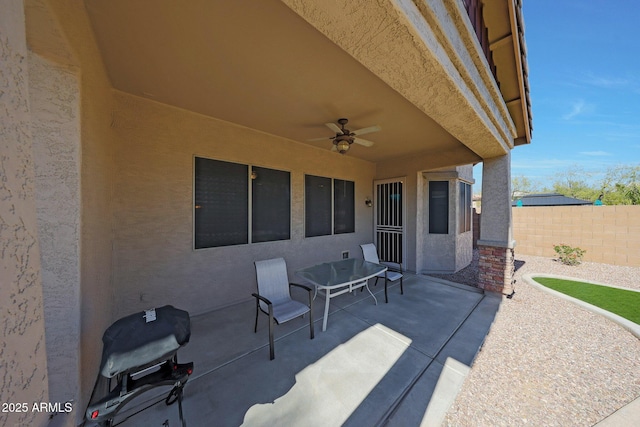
(619,301)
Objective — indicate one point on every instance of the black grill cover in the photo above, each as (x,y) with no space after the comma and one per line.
(131,342)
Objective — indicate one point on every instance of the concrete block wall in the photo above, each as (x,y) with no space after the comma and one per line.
(609,234)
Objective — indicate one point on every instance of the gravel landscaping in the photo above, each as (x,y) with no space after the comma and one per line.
(547,361)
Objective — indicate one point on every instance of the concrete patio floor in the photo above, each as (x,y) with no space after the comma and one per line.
(374,365)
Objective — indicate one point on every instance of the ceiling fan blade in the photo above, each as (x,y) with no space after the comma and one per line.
(369,129)
(364,142)
(324,138)
(334,127)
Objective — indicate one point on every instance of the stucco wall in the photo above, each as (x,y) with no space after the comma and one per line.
(154,259)
(411,169)
(464,249)
(23,371)
(54,98)
(60,32)
(610,234)
(495,222)
(438,250)
(452,252)
(444,252)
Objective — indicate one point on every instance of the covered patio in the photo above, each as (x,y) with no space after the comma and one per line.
(117,113)
(374,364)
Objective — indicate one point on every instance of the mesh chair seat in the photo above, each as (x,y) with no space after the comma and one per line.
(370,254)
(274,297)
(287,310)
(392,276)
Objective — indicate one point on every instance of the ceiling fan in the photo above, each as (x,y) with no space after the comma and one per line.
(344,137)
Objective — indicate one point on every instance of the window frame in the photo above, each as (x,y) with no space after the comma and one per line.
(332,214)
(259,171)
(200,229)
(341,211)
(464,207)
(315,202)
(249,208)
(443,209)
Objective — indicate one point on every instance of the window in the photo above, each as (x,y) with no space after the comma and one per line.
(317,211)
(270,205)
(221,203)
(344,207)
(464,207)
(223,215)
(439,207)
(329,206)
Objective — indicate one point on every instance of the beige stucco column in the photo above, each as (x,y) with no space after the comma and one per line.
(23,368)
(496,244)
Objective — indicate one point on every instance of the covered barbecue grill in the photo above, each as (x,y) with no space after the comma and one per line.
(140,353)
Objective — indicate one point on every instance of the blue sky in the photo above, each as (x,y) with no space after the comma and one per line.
(584,77)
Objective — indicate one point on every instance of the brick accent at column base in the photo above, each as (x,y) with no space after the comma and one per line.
(496,268)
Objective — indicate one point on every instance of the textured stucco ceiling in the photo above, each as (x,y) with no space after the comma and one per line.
(257,64)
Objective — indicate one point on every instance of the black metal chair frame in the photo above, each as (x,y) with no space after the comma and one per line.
(390,268)
(272,319)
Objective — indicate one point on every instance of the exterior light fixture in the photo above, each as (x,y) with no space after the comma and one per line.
(343,143)
(368,202)
(343,147)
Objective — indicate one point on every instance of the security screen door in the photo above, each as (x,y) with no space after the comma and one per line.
(390,219)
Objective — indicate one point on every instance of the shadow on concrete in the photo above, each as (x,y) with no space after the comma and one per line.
(375,364)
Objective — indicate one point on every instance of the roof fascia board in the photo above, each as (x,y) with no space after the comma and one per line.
(518,58)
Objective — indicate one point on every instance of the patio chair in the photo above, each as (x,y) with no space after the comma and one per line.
(274,298)
(394,273)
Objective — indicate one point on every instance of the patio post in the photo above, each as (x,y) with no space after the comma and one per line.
(496,244)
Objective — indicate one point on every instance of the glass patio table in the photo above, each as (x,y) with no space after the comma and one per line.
(338,277)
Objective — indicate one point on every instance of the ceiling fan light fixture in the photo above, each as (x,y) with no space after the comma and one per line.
(344,137)
(343,146)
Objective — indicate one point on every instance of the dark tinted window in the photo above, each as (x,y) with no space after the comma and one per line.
(464,207)
(270,205)
(344,209)
(439,207)
(222,209)
(221,203)
(317,212)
